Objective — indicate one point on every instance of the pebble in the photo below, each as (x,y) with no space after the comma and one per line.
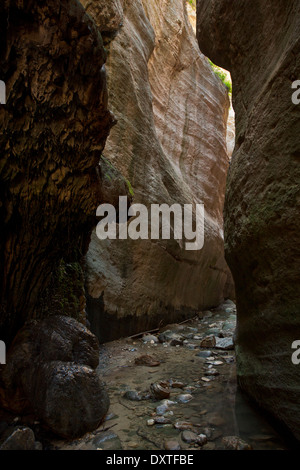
(184,398)
(172,445)
(150,422)
(208,342)
(150,339)
(183,425)
(132,395)
(235,443)
(162,420)
(161,409)
(225,343)
(213,372)
(204,354)
(189,437)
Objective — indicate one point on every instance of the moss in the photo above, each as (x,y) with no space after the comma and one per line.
(222,75)
(65,294)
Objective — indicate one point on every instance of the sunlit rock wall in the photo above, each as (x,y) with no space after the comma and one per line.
(170,144)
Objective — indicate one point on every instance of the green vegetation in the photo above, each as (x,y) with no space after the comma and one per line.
(222,75)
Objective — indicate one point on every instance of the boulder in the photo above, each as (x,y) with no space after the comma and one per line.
(50,372)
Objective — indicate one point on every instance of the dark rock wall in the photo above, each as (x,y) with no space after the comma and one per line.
(259,42)
(52,131)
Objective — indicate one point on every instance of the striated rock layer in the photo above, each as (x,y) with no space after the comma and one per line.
(259,42)
(170,144)
(52,131)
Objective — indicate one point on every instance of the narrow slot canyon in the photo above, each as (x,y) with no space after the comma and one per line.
(150,253)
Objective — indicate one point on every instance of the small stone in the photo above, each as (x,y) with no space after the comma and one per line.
(235,443)
(150,339)
(189,437)
(172,445)
(225,343)
(38,446)
(212,372)
(208,342)
(205,379)
(132,395)
(204,354)
(161,409)
(20,439)
(147,360)
(201,439)
(162,420)
(184,398)
(150,422)
(159,391)
(183,425)
(177,384)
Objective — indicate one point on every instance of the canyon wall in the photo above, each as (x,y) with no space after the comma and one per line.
(52,131)
(170,144)
(259,42)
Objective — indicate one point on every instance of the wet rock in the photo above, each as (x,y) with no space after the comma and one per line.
(150,339)
(132,395)
(51,364)
(183,425)
(159,391)
(213,372)
(224,343)
(189,437)
(147,360)
(20,439)
(172,445)
(161,409)
(162,420)
(38,446)
(235,443)
(184,398)
(208,342)
(201,439)
(107,440)
(204,354)
(177,384)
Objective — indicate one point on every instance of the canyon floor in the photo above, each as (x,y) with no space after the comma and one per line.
(168,392)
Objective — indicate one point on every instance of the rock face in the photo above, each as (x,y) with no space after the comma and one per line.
(258,42)
(52,131)
(50,372)
(170,144)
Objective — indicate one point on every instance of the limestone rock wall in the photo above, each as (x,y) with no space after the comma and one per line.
(52,131)
(259,42)
(170,144)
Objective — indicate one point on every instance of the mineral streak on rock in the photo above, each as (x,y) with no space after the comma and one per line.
(52,131)
(258,41)
(170,144)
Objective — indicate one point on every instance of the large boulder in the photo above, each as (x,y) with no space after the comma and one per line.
(52,131)
(50,371)
(170,144)
(259,42)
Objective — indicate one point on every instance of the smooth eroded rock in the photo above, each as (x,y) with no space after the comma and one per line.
(258,41)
